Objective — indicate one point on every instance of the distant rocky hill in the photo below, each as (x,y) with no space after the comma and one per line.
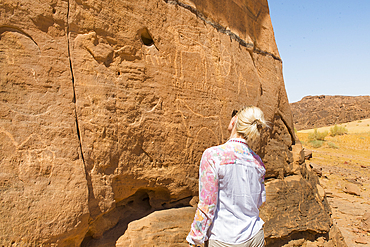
(318,111)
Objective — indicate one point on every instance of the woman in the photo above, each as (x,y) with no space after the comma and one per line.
(231,188)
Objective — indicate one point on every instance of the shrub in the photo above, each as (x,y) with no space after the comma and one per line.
(332,145)
(338,130)
(316,143)
(317,136)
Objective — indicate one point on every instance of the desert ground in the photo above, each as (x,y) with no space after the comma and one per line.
(343,165)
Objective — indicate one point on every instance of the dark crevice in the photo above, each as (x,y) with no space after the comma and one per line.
(265,53)
(74,89)
(251,55)
(273,177)
(92,202)
(296,235)
(291,131)
(279,113)
(222,29)
(126,211)
(138,149)
(183,202)
(261,90)
(17,30)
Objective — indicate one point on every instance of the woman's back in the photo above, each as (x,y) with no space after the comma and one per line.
(240,178)
(231,187)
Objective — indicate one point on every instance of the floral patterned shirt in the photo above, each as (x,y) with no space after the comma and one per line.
(231,189)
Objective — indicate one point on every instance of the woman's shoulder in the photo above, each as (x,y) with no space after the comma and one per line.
(215,150)
(258,159)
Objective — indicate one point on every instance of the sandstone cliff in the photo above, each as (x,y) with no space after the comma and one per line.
(107,106)
(319,111)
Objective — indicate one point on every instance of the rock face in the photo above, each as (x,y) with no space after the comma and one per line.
(107,106)
(161,228)
(319,111)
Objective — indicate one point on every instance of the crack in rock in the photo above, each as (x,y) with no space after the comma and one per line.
(73,86)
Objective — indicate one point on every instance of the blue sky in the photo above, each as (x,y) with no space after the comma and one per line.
(324,45)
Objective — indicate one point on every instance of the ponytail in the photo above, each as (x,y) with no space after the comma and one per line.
(250,122)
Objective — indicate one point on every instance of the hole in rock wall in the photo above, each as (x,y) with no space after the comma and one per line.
(145,37)
(261,90)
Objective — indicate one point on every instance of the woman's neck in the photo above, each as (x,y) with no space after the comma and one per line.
(235,134)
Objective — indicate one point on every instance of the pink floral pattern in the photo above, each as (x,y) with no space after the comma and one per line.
(208,190)
(208,186)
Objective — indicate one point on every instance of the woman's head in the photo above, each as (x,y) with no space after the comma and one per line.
(249,122)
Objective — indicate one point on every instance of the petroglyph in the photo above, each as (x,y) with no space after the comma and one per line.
(136,91)
(126,50)
(103,52)
(16,48)
(225,62)
(36,163)
(35,157)
(190,59)
(153,57)
(157,60)
(144,113)
(191,69)
(158,105)
(242,84)
(200,61)
(194,123)
(130,73)
(10,136)
(21,68)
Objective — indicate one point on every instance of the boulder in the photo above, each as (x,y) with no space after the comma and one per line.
(352,189)
(321,191)
(161,228)
(107,107)
(336,237)
(365,222)
(307,154)
(292,205)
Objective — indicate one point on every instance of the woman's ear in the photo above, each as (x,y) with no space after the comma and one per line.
(232,123)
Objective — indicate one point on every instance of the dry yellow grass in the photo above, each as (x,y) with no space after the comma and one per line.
(350,151)
(358,126)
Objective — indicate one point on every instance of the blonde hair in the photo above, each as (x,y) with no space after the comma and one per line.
(250,122)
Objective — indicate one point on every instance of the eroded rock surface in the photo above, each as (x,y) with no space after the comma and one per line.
(349,210)
(161,228)
(107,106)
(44,194)
(325,110)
